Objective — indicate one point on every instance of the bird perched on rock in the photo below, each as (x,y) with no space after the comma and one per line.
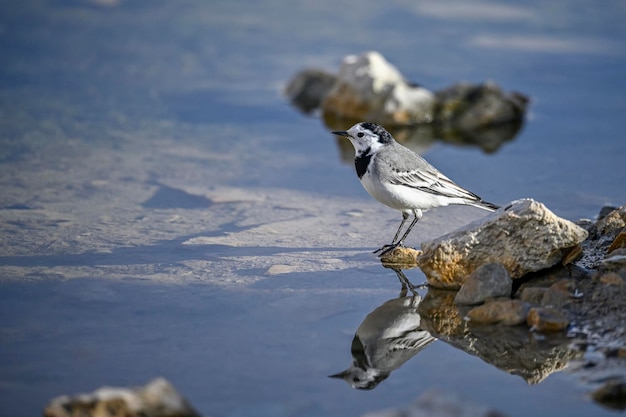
(399,178)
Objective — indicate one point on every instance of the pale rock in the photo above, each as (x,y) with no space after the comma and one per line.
(157,399)
(524,237)
(370,88)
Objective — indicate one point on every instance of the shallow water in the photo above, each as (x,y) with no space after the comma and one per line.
(165,212)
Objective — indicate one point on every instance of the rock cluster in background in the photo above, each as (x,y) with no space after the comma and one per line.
(369,88)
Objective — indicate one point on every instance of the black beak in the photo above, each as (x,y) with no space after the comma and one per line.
(341,133)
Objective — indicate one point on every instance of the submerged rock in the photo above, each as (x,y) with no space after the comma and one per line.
(524,237)
(487,281)
(157,399)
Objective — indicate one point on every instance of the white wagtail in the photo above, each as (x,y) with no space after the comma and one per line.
(401,179)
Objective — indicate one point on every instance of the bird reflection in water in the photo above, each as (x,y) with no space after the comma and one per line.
(387,338)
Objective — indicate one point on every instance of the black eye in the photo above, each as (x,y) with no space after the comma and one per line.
(360,134)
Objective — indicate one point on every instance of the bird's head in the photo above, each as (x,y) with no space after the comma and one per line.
(364,379)
(366,136)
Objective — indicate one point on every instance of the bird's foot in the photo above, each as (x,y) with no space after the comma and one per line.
(387,248)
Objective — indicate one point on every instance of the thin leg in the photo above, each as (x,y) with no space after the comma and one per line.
(409,229)
(404,217)
(404,281)
(388,248)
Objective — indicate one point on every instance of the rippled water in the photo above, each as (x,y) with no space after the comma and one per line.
(152,174)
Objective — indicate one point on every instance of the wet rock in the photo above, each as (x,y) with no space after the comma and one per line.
(401,256)
(474,106)
(609,291)
(524,237)
(157,399)
(508,312)
(573,255)
(487,281)
(613,223)
(605,236)
(533,295)
(612,394)
(619,242)
(615,260)
(546,320)
(307,89)
(370,88)
(559,294)
(439,404)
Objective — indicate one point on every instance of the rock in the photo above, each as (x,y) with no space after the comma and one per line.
(615,261)
(438,404)
(559,294)
(611,278)
(533,295)
(605,236)
(612,394)
(157,399)
(370,88)
(618,242)
(487,281)
(546,320)
(524,237)
(307,89)
(509,312)
(474,106)
(613,223)
(401,256)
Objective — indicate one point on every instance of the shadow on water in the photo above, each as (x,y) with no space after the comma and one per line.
(402,327)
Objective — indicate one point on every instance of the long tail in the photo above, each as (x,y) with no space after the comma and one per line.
(484,205)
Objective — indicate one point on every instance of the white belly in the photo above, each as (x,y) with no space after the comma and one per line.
(400,197)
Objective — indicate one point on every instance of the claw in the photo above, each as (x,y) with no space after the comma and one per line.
(387,248)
